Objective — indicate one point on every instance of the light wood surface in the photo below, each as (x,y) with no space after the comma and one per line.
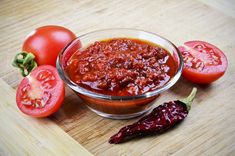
(22,135)
(208,130)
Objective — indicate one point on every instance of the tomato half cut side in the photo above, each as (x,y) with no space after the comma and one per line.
(204,63)
(41,93)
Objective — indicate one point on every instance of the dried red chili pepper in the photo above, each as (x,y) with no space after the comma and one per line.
(159,120)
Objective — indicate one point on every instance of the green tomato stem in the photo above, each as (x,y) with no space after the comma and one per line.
(25,62)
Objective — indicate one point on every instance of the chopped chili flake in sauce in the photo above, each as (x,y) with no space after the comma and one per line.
(121,67)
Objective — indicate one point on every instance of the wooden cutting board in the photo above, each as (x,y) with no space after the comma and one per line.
(22,135)
(208,130)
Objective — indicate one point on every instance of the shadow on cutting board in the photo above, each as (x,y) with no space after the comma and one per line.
(183,87)
(72,105)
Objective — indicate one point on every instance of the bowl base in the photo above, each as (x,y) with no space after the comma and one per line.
(119,116)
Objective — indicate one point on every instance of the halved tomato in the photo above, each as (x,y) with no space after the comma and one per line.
(203,62)
(41,93)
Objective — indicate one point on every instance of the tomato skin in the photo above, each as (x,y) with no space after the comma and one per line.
(201,78)
(210,72)
(57,92)
(46,42)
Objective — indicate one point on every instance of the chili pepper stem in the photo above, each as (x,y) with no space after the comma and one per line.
(25,62)
(189,100)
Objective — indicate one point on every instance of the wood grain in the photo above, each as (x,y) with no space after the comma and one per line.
(225,6)
(209,128)
(22,135)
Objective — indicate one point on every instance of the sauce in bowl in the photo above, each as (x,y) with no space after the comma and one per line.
(121,67)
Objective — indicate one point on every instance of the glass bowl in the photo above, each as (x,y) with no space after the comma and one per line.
(117,107)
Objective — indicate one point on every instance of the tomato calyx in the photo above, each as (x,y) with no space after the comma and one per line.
(25,62)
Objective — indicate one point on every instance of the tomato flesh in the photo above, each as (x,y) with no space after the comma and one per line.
(41,93)
(203,62)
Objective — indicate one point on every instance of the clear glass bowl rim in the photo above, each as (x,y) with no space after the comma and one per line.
(89,93)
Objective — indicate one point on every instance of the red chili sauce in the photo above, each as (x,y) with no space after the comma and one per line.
(121,67)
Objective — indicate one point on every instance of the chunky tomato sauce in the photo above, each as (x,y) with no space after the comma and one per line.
(121,67)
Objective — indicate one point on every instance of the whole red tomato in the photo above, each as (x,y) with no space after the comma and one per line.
(46,42)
